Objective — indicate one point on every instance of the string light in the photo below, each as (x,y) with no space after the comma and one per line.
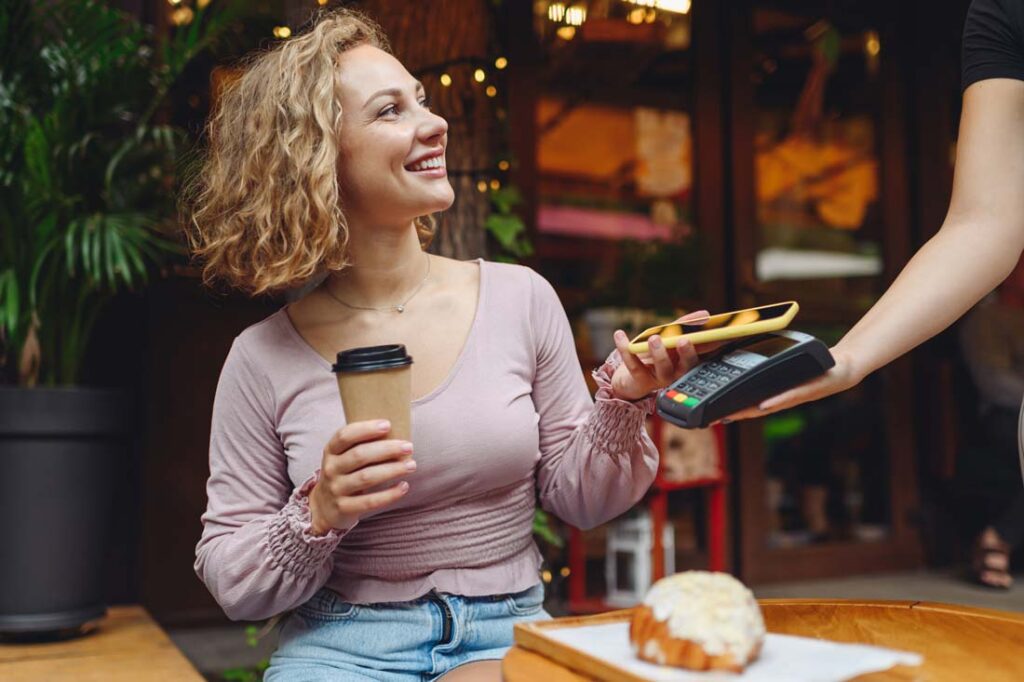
(174,2)
(481,186)
(873,45)
(446,80)
(565,571)
(545,575)
(503,165)
(500,63)
(282,32)
(201,4)
(566,32)
(674,6)
(479,75)
(321,2)
(495,185)
(182,16)
(491,91)
(556,12)
(576,15)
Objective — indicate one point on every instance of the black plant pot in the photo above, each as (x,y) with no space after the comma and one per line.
(57,452)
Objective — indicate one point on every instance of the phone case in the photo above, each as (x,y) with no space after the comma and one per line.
(723,333)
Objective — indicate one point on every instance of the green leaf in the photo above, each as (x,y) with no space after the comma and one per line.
(37,156)
(505,228)
(506,198)
(542,528)
(10,301)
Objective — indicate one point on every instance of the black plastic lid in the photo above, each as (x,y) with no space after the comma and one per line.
(370,358)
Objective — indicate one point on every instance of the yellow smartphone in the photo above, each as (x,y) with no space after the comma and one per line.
(720,327)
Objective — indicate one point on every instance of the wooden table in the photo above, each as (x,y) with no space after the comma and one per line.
(126,645)
(958,643)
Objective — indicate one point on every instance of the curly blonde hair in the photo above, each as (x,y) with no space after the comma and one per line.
(264,209)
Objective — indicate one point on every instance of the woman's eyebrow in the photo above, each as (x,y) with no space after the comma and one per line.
(393,92)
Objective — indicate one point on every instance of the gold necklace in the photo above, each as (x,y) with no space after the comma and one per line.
(398,307)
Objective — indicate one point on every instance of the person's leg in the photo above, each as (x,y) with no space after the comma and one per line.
(477,671)
(991,557)
(1010,525)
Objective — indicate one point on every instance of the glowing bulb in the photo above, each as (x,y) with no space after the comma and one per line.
(564,572)
(873,45)
(545,575)
(321,2)
(173,2)
(503,165)
(446,80)
(566,32)
(491,91)
(556,12)
(636,16)
(576,15)
(481,186)
(282,32)
(479,75)
(500,63)
(201,4)
(495,185)
(182,16)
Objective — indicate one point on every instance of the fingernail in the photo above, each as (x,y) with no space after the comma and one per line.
(656,341)
(406,447)
(411,465)
(403,487)
(383,425)
(726,421)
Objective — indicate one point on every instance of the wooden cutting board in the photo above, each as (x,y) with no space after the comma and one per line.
(958,643)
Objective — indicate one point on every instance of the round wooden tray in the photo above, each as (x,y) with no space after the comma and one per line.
(958,643)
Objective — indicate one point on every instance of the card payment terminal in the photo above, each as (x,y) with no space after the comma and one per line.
(743,374)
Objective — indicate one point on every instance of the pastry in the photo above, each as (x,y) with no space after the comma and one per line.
(700,621)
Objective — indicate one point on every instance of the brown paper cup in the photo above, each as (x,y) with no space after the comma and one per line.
(375,382)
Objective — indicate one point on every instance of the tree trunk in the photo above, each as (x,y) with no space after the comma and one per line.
(451,36)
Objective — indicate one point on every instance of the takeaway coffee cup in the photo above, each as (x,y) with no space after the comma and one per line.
(375,382)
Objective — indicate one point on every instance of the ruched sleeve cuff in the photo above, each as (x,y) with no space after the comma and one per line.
(293,547)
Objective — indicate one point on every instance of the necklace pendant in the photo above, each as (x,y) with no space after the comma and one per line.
(400,308)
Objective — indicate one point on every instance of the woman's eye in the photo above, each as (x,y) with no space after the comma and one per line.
(388,110)
(425,103)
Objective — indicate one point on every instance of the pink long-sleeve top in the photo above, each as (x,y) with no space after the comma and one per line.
(512,422)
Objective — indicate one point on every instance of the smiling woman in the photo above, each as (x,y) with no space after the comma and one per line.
(399,559)
(268,125)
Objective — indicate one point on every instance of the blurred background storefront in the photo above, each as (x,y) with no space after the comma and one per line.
(646,156)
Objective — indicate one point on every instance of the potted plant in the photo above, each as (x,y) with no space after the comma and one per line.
(86,192)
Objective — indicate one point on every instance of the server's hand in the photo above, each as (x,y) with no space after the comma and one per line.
(840,377)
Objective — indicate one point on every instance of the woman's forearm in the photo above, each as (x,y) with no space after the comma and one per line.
(950,273)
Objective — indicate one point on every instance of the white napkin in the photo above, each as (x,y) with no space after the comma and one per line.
(784,658)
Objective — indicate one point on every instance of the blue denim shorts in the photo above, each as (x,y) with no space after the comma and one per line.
(414,641)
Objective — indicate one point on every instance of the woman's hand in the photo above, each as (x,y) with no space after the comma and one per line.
(357,458)
(842,376)
(634,378)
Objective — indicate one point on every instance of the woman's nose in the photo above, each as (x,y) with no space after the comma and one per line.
(433,126)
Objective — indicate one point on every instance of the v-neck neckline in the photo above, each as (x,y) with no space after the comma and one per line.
(326,364)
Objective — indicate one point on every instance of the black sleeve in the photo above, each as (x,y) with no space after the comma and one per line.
(993,44)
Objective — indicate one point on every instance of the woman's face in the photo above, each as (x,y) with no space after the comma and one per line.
(391,165)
